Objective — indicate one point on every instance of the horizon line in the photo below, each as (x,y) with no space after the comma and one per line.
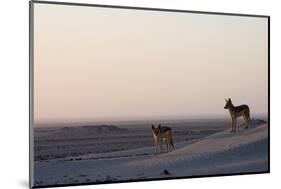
(135,119)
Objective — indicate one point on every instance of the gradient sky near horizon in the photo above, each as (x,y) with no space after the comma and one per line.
(93,64)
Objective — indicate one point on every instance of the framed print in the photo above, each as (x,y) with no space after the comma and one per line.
(124,94)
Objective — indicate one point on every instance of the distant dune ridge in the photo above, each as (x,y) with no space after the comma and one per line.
(219,153)
(94,128)
(62,142)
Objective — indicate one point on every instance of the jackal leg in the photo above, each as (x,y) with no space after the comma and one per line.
(170,144)
(166,141)
(246,118)
(234,124)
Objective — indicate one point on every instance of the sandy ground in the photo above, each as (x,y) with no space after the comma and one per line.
(67,141)
(218,153)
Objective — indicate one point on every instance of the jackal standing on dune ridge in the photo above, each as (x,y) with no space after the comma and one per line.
(237,111)
(161,134)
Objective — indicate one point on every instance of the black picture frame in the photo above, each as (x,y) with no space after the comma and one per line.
(31,86)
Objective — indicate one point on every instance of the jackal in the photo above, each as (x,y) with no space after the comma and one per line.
(161,134)
(237,111)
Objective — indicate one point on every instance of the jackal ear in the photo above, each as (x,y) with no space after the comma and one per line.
(229,99)
(152,126)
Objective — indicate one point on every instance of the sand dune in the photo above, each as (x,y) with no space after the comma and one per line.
(219,153)
(102,140)
(223,152)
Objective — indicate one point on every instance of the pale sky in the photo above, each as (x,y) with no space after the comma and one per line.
(93,64)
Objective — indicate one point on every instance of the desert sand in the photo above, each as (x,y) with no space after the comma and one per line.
(197,153)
